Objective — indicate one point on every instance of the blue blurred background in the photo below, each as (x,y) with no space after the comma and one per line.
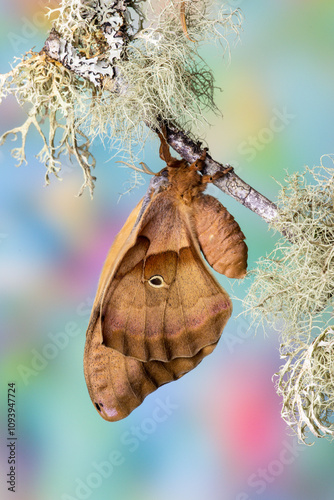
(222,437)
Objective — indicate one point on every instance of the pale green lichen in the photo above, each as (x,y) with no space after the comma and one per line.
(306,384)
(77,23)
(160,77)
(56,96)
(293,291)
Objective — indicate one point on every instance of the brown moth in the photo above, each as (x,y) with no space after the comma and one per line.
(158,310)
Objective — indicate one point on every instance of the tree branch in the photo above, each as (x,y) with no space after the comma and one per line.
(230,184)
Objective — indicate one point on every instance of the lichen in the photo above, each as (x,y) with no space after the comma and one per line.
(160,76)
(59,97)
(292,290)
(78,22)
(306,384)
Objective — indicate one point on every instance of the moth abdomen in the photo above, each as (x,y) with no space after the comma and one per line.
(220,237)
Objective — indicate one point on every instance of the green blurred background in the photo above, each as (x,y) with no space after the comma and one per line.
(222,437)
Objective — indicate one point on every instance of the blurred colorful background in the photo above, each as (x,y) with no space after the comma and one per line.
(220,435)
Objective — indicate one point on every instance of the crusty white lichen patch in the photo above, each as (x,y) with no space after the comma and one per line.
(92,26)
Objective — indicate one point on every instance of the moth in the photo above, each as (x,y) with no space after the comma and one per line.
(158,310)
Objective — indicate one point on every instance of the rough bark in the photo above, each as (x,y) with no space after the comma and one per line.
(230,184)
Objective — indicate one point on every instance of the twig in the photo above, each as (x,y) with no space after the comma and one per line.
(230,184)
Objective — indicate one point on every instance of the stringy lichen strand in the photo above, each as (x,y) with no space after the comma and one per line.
(159,77)
(55,94)
(306,384)
(295,283)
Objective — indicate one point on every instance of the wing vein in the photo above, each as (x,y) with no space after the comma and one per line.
(184,321)
(167,350)
(207,276)
(117,397)
(127,320)
(130,384)
(148,375)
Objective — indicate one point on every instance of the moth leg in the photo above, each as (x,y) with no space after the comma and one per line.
(218,175)
(164,150)
(199,163)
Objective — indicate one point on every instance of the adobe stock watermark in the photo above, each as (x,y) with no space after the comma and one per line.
(241,333)
(253,144)
(67,169)
(56,343)
(30,28)
(130,441)
(259,480)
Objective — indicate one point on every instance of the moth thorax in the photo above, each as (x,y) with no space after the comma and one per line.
(157,281)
